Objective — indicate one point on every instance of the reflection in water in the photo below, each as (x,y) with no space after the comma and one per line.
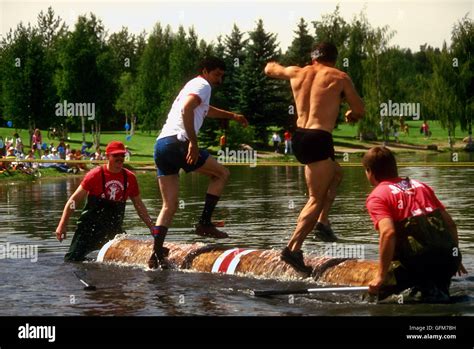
(260,207)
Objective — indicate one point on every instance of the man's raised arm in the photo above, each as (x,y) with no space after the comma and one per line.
(277,71)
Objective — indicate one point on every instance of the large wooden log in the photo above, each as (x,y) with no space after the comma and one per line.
(240,261)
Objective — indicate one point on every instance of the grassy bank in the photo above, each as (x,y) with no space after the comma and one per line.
(345,139)
(348,133)
(10,175)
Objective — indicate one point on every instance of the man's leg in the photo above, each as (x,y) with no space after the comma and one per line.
(323,229)
(218,176)
(169,188)
(78,248)
(217,173)
(318,179)
(331,195)
(319,176)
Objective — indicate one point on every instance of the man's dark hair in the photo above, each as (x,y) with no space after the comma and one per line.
(324,52)
(211,63)
(381,162)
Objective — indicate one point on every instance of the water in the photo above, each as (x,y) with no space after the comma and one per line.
(260,206)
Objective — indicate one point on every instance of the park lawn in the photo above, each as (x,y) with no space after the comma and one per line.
(142,143)
(11,175)
(348,134)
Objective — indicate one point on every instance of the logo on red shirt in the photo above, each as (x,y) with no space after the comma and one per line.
(114,190)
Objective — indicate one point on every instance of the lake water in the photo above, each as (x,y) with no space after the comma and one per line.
(260,206)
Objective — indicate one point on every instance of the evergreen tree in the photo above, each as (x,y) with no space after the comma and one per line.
(259,97)
(299,53)
(152,81)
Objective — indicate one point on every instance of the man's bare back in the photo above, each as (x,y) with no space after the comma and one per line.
(318,90)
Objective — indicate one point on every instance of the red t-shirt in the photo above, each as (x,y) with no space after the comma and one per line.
(287,136)
(114,185)
(397,199)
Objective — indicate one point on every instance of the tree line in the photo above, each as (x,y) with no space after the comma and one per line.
(132,79)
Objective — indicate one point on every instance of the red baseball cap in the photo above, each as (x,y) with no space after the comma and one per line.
(115,147)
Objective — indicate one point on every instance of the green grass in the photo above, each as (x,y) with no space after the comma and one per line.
(7,176)
(346,133)
(142,143)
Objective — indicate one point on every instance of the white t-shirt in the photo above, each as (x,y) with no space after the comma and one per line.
(174,123)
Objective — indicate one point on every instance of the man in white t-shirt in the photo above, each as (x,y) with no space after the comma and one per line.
(177,148)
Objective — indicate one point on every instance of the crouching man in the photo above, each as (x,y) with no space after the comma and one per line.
(418,239)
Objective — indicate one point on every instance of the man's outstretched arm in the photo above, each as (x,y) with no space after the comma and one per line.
(277,71)
(216,113)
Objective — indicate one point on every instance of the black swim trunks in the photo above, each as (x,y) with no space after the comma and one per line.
(311,145)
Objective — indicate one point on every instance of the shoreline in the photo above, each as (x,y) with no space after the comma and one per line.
(264,158)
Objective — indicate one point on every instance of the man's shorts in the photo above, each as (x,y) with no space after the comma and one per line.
(170,156)
(311,145)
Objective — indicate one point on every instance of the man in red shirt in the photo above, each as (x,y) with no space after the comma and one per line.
(419,246)
(107,189)
(288,145)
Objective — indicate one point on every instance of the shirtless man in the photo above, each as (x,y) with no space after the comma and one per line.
(318,90)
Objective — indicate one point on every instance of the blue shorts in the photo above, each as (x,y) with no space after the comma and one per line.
(170,156)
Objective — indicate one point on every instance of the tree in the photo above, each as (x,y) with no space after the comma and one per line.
(354,54)
(24,77)
(375,83)
(261,98)
(152,81)
(127,102)
(183,60)
(85,74)
(334,29)
(126,51)
(123,47)
(443,101)
(51,30)
(299,51)
(234,57)
(462,48)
